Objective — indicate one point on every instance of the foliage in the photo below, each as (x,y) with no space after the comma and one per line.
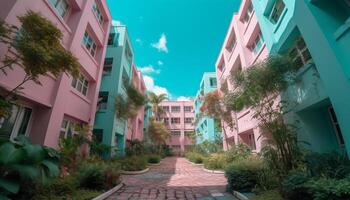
(268,195)
(329,189)
(135,147)
(238,152)
(134,163)
(155,100)
(194,157)
(128,107)
(153,159)
(91,176)
(5,108)
(38,49)
(23,164)
(215,161)
(98,148)
(158,132)
(242,175)
(207,146)
(293,185)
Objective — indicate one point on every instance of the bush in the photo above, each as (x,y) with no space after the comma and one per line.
(215,161)
(134,163)
(329,189)
(153,159)
(76,195)
(238,152)
(268,195)
(293,187)
(92,175)
(194,157)
(243,175)
(112,174)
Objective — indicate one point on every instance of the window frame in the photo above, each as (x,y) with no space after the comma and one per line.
(248,13)
(108,66)
(81,84)
(176,133)
(258,42)
(104,101)
(175,120)
(97,12)
(252,143)
(57,5)
(300,53)
(89,44)
(189,122)
(175,111)
(274,11)
(70,126)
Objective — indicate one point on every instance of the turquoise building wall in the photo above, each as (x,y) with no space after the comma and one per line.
(205,127)
(113,128)
(323,83)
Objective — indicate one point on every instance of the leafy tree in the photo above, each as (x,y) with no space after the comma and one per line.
(158,132)
(36,48)
(155,101)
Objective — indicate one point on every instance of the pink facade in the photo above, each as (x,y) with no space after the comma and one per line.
(59,103)
(178,117)
(136,125)
(243,46)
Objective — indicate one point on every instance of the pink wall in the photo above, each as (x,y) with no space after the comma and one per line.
(181,140)
(55,99)
(241,56)
(136,125)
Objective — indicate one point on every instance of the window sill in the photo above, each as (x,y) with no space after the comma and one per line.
(58,17)
(80,95)
(340,32)
(92,58)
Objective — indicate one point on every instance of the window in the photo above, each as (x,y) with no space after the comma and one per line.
(102,100)
(175,109)
(277,11)
(188,120)
(188,108)
(175,133)
(248,13)
(231,42)
(189,133)
(165,108)
(175,120)
(67,128)
(251,138)
(213,82)
(111,39)
(166,120)
(16,123)
(107,67)
(222,65)
(97,13)
(336,126)
(128,53)
(300,54)
(81,84)
(61,6)
(258,42)
(89,43)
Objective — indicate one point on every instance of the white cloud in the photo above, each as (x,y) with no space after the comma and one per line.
(149,82)
(116,23)
(149,70)
(161,44)
(183,98)
(159,62)
(139,41)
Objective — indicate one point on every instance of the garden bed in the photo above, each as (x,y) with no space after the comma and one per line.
(213,171)
(134,172)
(154,164)
(109,192)
(192,163)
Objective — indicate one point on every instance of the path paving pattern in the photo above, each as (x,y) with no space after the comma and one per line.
(174,179)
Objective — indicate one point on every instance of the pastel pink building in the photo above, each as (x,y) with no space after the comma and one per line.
(243,46)
(49,111)
(178,117)
(136,124)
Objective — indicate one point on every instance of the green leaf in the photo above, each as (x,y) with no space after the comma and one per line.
(9,185)
(2,197)
(9,154)
(31,172)
(52,168)
(34,152)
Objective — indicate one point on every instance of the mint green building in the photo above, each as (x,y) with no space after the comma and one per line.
(205,127)
(315,33)
(108,128)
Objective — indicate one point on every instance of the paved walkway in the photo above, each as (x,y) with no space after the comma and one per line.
(174,179)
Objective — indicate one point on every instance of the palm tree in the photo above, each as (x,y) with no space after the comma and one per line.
(155,100)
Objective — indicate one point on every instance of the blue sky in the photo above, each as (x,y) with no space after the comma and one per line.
(175,41)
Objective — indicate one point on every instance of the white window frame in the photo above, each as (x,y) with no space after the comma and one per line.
(174,120)
(89,44)
(300,53)
(281,5)
(61,7)
(81,85)
(188,108)
(98,14)
(257,44)
(69,126)
(248,13)
(173,110)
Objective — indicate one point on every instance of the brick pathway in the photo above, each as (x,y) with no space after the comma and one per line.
(174,179)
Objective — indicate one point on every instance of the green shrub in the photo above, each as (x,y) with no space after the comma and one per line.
(268,195)
(293,186)
(266,180)
(78,194)
(112,174)
(134,163)
(61,187)
(195,157)
(242,175)
(329,189)
(92,175)
(237,152)
(154,159)
(215,161)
